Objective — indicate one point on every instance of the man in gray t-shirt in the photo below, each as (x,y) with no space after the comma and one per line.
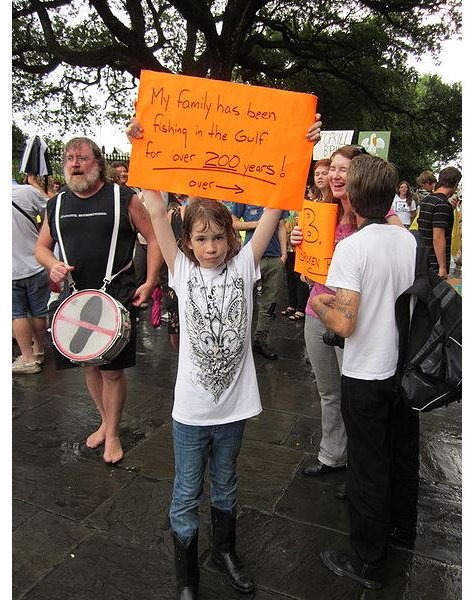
(30,283)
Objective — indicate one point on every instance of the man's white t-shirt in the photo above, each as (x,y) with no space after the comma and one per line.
(216,381)
(378,262)
(403,209)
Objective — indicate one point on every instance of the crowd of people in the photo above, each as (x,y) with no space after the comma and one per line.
(97,233)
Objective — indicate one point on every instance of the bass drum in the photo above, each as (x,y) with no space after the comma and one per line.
(90,327)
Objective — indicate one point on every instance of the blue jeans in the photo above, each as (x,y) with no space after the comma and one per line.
(194,446)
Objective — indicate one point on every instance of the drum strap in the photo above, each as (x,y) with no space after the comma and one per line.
(113,242)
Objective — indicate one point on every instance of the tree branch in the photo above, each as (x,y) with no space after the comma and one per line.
(31,10)
(198,14)
(114,25)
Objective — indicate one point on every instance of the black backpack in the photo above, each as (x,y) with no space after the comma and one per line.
(429,362)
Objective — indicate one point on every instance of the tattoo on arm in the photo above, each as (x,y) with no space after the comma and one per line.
(344,304)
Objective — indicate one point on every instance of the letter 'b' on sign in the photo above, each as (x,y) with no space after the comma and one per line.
(318,221)
(222,140)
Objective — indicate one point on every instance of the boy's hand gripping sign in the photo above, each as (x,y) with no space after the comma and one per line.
(222,140)
(318,221)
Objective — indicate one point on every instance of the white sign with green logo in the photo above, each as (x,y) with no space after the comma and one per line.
(375,142)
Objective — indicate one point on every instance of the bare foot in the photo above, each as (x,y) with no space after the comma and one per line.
(97,438)
(113,451)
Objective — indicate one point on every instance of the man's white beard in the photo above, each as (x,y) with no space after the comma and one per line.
(86,183)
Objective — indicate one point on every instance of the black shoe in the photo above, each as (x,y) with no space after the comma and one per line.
(321,469)
(224,553)
(261,347)
(403,538)
(186,568)
(340,564)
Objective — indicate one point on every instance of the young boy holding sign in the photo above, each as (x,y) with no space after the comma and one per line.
(216,388)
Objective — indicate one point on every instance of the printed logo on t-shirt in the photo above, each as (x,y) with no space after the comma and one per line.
(216,322)
(402,207)
(76,215)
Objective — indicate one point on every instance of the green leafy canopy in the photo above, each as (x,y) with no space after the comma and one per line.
(77,62)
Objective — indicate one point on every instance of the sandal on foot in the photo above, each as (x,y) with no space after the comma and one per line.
(288,311)
(297,316)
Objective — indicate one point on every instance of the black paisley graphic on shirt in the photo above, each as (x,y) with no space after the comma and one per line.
(217,337)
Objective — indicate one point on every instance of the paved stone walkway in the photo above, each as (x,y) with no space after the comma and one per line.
(87,531)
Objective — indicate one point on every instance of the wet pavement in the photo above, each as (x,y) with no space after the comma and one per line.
(83,530)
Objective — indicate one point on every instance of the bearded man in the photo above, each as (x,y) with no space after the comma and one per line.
(86,221)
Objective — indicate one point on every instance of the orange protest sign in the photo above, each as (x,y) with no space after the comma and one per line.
(318,221)
(222,140)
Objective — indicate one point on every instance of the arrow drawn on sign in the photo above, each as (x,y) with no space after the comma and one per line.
(237,188)
(210,169)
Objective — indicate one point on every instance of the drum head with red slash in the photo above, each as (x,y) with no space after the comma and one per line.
(86,324)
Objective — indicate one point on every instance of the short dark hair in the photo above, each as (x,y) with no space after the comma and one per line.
(208,211)
(371,184)
(79,141)
(449,177)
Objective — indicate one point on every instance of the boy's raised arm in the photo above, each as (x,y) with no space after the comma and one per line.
(270,217)
(264,231)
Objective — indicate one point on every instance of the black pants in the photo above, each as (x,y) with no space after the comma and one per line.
(383,464)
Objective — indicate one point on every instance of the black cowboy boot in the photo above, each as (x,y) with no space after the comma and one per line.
(186,569)
(224,553)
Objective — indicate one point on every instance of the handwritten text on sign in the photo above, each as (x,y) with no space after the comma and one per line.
(222,140)
(331,141)
(318,221)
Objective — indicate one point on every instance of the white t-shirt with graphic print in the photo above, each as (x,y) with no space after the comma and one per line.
(216,381)
(403,209)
